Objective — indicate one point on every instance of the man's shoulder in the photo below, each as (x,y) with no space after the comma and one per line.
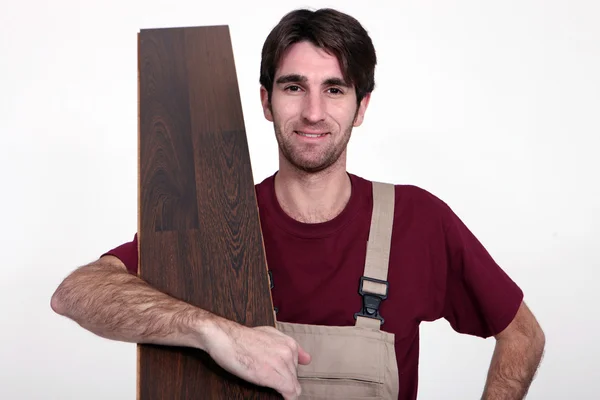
(410,194)
(263,190)
(264,182)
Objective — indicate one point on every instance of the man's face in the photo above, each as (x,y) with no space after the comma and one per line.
(312,109)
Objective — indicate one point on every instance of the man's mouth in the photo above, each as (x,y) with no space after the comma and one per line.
(311,134)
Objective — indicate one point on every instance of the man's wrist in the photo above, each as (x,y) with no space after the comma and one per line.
(208,326)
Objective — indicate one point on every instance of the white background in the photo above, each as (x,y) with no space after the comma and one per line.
(492,106)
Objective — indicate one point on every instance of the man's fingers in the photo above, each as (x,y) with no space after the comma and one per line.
(289,387)
(262,355)
(292,394)
(289,357)
(303,357)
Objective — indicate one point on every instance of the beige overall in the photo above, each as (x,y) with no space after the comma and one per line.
(355,362)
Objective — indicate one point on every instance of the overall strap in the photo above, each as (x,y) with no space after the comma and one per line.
(373,284)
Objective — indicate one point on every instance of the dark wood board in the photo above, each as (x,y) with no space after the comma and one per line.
(199,229)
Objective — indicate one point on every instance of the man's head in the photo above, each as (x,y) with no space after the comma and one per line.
(317,73)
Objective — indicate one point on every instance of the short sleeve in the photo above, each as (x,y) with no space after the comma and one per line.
(481,299)
(128,254)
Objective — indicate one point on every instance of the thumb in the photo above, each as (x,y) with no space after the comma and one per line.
(303,357)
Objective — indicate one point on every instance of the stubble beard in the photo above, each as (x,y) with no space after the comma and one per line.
(303,159)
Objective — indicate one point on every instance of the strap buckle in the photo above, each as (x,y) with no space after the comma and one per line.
(371,301)
(271,286)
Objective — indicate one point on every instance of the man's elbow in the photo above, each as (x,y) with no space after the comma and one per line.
(58,301)
(56,304)
(62,296)
(535,335)
(82,280)
(538,340)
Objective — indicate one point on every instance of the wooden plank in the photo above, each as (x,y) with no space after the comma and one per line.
(199,229)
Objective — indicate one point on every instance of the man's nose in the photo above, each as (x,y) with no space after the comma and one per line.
(314,107)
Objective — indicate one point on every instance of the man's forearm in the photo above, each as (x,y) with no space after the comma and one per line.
(114,304)
(513,367)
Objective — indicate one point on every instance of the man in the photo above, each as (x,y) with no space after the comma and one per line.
(317,75)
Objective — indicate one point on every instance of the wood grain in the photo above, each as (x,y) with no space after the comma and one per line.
(199,229)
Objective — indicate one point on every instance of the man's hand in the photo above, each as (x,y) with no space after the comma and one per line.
(261,355)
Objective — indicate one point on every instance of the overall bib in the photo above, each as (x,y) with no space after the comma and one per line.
(355,362)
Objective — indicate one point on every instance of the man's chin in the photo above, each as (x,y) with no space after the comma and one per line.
(310,166)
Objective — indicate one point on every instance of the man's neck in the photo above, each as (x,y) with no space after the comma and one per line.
(313,197)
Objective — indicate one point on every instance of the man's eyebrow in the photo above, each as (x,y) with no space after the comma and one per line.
(336,82)
(297,78)
(291,78)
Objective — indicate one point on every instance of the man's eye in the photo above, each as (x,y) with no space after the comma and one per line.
(336,91)
(293,88)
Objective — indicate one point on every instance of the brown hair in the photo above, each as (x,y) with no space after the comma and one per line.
(337,33)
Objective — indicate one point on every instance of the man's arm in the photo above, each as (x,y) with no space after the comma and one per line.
(517,355)
(107,300)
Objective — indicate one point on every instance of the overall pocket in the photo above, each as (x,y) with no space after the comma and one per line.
(347,362)
(339,388)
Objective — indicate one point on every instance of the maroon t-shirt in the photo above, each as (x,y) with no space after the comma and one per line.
(438,269)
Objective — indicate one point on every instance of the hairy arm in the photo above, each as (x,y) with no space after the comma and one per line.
(517,355)
(105,299)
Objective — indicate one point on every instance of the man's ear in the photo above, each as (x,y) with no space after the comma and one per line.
(264,99)
(362,109)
